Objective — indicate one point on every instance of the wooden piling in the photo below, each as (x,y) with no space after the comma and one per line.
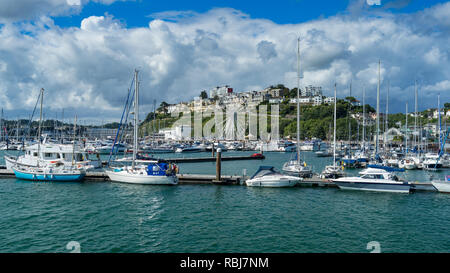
(218,165)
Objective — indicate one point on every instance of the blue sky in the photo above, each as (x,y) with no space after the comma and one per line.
(136,13)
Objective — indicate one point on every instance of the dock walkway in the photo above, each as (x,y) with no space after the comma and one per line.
(184,179)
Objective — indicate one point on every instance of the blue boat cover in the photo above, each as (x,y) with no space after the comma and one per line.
(448,178)
(264,168)
(158,169)
(386,168)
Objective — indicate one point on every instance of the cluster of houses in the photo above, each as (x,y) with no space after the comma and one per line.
(225,95)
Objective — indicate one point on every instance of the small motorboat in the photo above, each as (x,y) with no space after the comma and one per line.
(442,186)
(374,179)
(324,153)
(268,176)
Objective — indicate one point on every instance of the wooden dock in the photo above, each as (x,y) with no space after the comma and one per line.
(184,179)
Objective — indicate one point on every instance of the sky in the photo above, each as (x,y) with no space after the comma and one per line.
(83,52)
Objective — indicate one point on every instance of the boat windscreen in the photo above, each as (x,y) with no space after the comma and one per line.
(263,171)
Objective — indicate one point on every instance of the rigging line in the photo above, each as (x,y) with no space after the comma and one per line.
(121,119)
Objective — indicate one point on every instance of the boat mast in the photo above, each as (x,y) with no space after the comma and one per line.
(298,101)
(136,117)
(39,126)
(415,114)
(364,119)
(378,109)
(334,131)
(406,130)
(349,122)
(439,121)
(386,126)
(74,136)
(1,127)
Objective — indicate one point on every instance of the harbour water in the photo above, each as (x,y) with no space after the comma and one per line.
(113,217)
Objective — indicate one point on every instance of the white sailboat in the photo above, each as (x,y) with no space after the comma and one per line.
(154,173)
(296,166)
(333,171)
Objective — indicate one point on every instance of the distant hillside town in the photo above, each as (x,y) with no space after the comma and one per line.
(225,95)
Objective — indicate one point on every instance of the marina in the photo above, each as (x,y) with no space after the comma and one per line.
(232,128)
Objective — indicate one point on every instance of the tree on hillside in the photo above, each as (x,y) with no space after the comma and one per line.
(163,107)
(447,105)
(203,95)
(351,99)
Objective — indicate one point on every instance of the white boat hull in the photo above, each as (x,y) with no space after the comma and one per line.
(375,186)
(144,179)
(441,186)
(271,183)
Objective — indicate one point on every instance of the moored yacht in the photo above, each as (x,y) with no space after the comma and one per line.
(374,179)
(50,154)
(268,176)
(154,173)
(298,168)
(50,173)
(431,162)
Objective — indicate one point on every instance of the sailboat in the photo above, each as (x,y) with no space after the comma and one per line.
(155,172)
(296,166)
(333,171)
(57,172)
(431,161)
(407,162)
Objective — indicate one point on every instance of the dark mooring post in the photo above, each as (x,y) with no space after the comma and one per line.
(218,165)
(212,150)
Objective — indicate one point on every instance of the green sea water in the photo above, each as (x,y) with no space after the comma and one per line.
(114,217)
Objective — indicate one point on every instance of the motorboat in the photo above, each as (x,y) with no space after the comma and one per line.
(324,153)
(431,162)
(308,146)
(374,179)
(442,186)
(158,149)
(268,176)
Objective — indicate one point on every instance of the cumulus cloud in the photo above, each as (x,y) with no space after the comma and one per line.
(266,50)
(17,10)
(89,68)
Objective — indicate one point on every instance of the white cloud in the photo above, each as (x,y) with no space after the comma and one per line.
(373,2)
(89,68)
(18,10)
